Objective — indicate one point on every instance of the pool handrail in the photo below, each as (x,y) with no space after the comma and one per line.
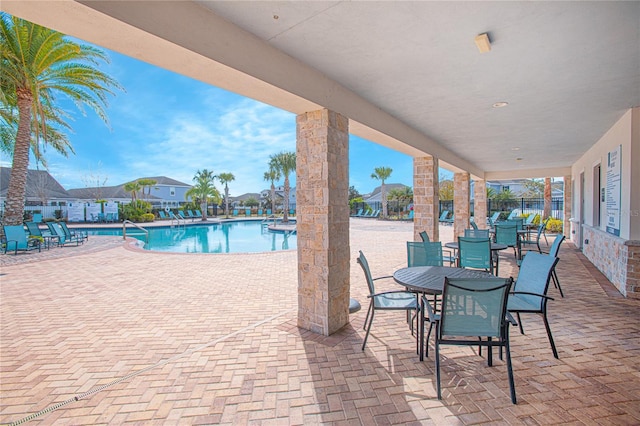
(124,230)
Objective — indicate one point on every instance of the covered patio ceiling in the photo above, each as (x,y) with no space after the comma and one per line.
(407,74)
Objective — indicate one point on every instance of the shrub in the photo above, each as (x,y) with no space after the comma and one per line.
(148,217)
(554,226)
(135,211)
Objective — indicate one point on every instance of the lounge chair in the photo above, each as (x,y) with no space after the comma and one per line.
(34,230)
(513,214)
(494,218)
(247,212)
(409,216)
(162,215)
(235,212)
(443,216)
(190,215)
(450,219)
(358,214)
(37,217)
(73,233)
(181,215)
(268,212)
(259,212)
(16,239)
(56,229)
(376,213)
(198,214)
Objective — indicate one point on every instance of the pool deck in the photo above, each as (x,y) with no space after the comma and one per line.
(107,334)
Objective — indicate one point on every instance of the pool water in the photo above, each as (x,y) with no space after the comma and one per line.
(228,237)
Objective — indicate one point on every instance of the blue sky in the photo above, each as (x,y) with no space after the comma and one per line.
(166,124)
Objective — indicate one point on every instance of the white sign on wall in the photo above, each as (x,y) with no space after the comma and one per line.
(94,211)
(75,212)
(613,190)
(111,208)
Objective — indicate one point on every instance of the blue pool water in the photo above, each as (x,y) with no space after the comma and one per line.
(228,237)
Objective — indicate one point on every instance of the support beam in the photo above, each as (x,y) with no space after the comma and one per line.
(322,192)
(568,199)
(480,203)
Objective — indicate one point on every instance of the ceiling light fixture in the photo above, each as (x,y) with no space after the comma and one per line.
(519,159)
(500,104)
(483,42)
(515,148)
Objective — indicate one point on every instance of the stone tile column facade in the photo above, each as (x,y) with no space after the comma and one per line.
(461,200)
(425,197)
(480,203)
(568,199)
(322,192)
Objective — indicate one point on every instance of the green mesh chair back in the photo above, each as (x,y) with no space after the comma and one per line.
(33,229)
(425,236)
(474,312)
(474,307)
(367,273)
(475,253)
(507,234)
(16,239)
(424,254)
(519,222)
(473,224)
(476,233)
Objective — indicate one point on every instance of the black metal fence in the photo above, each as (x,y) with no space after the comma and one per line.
(399,209)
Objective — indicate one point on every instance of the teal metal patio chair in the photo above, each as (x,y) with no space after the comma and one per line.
(56,229)
(494,219)
(424,254)
(37,218)
(555,251)
(424,236)
(475,253)
(398,300)
(529,294)
(162,214)
(506,233)
(198,214)
(358,213)
(473,224)
(16,240)
(443,216)
(473,313)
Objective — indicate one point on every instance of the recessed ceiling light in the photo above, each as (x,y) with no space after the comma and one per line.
(276,17)
(515,148)
(483,43)
(500,104)
(519,159)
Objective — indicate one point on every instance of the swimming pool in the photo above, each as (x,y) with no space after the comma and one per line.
(228,237)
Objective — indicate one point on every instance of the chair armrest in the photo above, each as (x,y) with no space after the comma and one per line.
(433,317)
(390,292)
(511,319)
(381,278)
(532,294)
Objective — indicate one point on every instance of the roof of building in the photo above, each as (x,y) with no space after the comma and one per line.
(40,185)
(162,180)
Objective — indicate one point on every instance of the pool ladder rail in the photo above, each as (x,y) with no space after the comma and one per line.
(144,231)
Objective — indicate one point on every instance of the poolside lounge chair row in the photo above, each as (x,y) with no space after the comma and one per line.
(17,238)
(368,213)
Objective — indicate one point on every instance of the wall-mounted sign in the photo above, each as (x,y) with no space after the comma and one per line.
(75,212)
(613,190)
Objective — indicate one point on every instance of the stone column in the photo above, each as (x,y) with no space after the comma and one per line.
(322,192)
(568,199)
(480,203)
(461,200)
(425,197)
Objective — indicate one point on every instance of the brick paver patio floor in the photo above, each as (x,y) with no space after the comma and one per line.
(103,334)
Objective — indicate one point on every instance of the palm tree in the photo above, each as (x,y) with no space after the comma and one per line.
(133,188)
(36,65)
(225,178)
(203,190)
(285,164)
(382,174)
(147,183)
(271,176)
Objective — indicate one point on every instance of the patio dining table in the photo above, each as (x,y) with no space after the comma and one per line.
(430,280)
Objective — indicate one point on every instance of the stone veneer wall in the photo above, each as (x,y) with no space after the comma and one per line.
(322,194)
(616,258)
(425,197)
(480,204)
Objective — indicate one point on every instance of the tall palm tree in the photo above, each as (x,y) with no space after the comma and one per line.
(224,179)
(285,164)
(147,183)
(272,176)
(203,190)
(36,64)
(132,188)
(382,174)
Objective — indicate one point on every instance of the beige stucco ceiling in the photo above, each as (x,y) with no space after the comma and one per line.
(407,74)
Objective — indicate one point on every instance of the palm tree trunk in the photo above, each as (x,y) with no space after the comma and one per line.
(226,200)
(18,183)
(273,198)
(547,198)
(204,206)
(285,217)
(383,195)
